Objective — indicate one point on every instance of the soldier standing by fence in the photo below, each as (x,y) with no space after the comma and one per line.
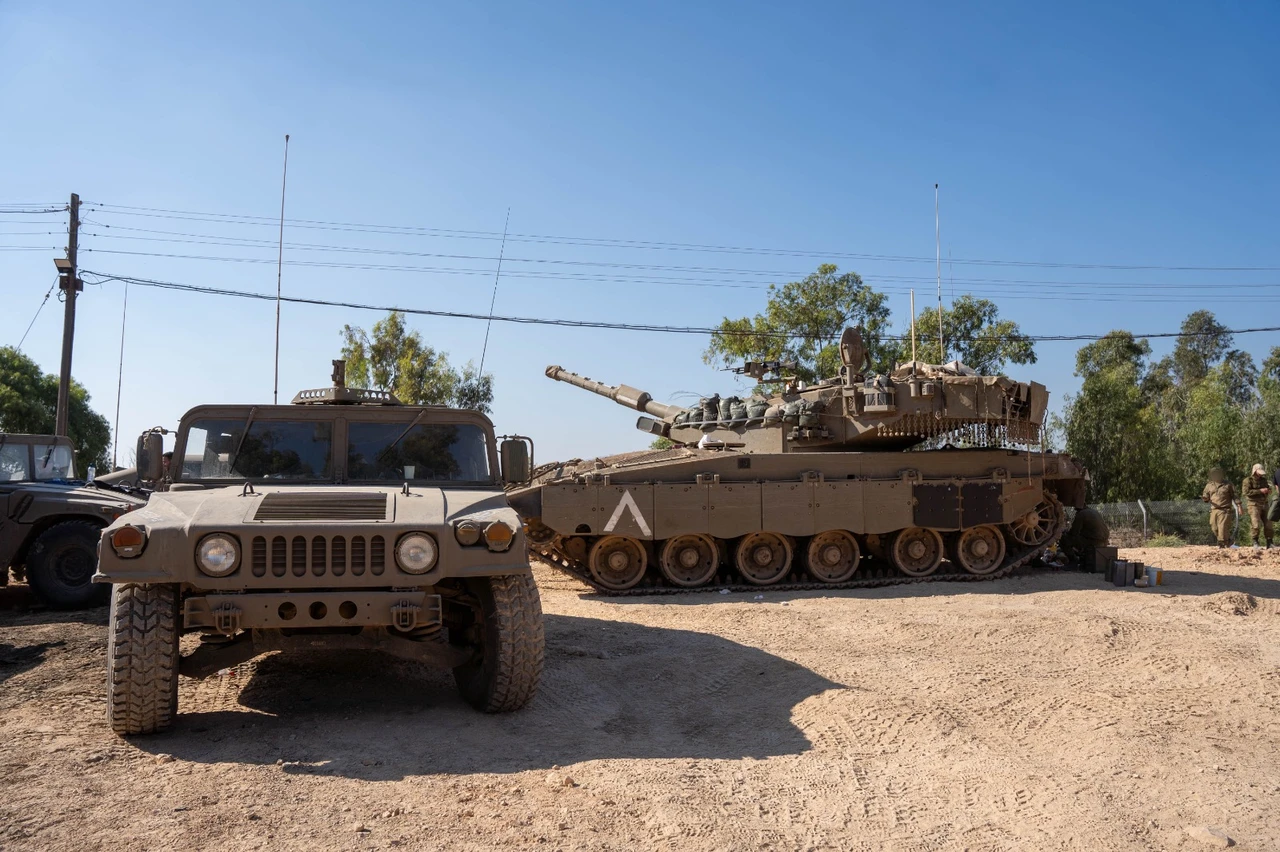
(1220,496)
(1256,489)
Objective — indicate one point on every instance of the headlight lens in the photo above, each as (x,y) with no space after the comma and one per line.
(218,555)
(498,536)
(467,533)
(416,553)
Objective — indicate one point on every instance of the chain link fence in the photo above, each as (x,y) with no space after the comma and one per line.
(1134,523)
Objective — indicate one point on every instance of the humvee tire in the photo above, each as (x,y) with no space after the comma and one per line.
(142,658)
(512,645)
(61,563)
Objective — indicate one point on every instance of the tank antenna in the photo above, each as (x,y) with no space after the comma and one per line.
(275,387)
(494,299)
(937,237)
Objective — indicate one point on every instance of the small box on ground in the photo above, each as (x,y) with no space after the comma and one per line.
(1098,560)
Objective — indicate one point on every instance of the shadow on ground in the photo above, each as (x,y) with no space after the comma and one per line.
(16,659)
(610,690)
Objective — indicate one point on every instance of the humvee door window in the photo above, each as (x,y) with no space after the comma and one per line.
(13,462)
(450,452)
(53,461)
(270,449)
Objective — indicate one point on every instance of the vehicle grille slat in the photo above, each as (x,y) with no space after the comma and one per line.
(331,506)
(259,556)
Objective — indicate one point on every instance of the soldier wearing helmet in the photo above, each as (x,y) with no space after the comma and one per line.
(1220,496)
(1256,488)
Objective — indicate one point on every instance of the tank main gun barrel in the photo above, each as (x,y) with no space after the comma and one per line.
(624,395)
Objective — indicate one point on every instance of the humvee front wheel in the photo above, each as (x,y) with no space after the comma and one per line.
(505,671)
(142,658)
(61,563)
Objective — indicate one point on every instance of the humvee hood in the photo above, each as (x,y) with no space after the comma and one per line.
(235,506)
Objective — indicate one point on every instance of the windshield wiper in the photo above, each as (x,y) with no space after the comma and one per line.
(387,449)
(244,433)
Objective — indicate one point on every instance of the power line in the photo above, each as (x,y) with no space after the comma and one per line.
(249,242)
(40,308)
(232,218)
(665,329)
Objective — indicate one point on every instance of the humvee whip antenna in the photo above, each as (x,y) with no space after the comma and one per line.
(494,300)
(937,237)
(115,439)
(275,388)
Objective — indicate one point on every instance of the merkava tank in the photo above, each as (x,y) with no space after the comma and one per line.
(930,472)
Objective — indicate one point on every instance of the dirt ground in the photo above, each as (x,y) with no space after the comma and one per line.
(1044,711)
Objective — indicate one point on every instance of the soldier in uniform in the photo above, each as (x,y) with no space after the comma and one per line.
(1088,530)
(1220,496)
(1256,488)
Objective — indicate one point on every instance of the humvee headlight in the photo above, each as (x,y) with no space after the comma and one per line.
(218,555)
(467,533)
(416,553)
(498,536)
(128,541)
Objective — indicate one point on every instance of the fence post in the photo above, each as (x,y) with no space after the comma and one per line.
(1144,521)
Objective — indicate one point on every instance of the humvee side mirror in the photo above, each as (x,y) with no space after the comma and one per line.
(151,457)
(515,453)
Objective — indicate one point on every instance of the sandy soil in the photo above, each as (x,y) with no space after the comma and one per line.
(1041,712)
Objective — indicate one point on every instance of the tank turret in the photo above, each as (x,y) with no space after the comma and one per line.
(856,410)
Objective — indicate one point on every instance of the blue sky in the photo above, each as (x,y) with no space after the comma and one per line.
(1140,134)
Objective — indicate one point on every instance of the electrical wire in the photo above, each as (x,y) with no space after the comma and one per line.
(233,218)
(567,323)
(40,308)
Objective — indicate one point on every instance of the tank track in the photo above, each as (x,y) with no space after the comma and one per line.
(886,575)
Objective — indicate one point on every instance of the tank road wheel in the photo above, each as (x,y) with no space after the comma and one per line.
(763,558)
(978,550)
(505,672)
(1036,527)
(916,551)
(61,563)
(142,658)
(689,560)
(833,556)
(617,562)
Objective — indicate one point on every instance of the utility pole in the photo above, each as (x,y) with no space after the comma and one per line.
(70,284)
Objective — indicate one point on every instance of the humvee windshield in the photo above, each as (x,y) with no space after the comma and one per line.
(303,451)
(20,462)
(452,452)
(269,449)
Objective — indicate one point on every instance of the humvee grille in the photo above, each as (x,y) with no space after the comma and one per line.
(318,555)
(327,506)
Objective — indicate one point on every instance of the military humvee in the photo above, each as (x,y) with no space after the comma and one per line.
(344,520)
(50,521)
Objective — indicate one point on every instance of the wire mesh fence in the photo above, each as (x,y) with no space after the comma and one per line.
(1132,524)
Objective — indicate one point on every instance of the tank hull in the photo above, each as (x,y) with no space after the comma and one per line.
(649,521)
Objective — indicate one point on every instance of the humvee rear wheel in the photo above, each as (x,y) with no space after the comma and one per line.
(617,562)
(142,658)
(833,556)
(763,558)
(505,671)
(978,550)
(916,551)
(1036,527)
(61,563)
(689,560)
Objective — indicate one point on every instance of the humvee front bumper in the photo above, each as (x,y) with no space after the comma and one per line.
(229,614)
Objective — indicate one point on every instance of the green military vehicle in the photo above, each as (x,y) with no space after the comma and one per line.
(930,472)
(50,520)
(343,521)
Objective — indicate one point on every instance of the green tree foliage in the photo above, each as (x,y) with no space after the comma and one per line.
(393,358)
(29,403)
(1153,430)
(974,334)
(802,322)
